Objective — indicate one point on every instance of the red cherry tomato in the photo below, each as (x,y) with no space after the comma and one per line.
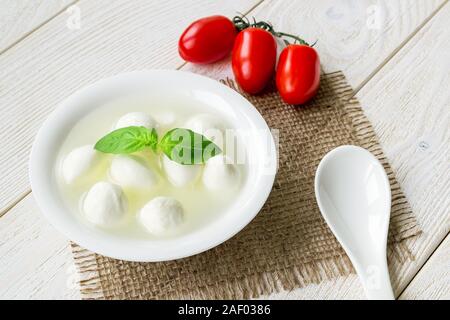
(207,40)
(298,73)
(253,59)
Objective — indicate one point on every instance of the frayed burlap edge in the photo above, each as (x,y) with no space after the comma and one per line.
(247,287)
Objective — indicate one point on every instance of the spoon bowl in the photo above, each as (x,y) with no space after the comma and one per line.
(354,197)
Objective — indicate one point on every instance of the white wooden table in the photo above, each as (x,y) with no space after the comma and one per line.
(396,54)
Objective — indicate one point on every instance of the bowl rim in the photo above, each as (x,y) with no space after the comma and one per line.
(50,205)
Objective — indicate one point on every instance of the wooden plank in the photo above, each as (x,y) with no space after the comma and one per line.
(356,37)
(347,287)
(36,261)
(433,280)
(18,18)
(55,61)
(410,169)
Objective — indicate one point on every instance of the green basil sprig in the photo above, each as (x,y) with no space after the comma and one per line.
(183,146)
(127,140)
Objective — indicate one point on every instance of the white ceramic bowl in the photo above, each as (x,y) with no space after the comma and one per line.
(254,192)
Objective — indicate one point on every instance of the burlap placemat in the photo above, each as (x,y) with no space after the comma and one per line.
(288,244)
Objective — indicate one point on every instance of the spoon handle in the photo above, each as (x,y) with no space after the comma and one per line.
(375,280)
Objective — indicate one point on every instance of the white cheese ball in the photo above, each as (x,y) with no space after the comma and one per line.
(219,173)
(138,119)
(165,118)
(180,175)
(209,126)
(105,204)
(78,162)
(161,215)
(127,171)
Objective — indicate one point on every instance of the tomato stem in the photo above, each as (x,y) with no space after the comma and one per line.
(242,22)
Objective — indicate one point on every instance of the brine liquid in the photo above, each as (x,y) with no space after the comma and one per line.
(200,205)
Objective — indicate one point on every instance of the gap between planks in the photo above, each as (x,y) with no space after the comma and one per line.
(27,34)
(396,50)
(424,264)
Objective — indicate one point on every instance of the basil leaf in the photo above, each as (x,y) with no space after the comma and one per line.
(152,141)
(127,140)
(187,147)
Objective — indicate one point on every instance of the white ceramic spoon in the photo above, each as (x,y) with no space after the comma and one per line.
(354,196)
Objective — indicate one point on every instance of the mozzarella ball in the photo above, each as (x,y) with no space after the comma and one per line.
(161,214)
(127,171)
(220,173)
(180,175)
(209,126)
(165,118)
(105,204)
(78,162)
(138,119)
